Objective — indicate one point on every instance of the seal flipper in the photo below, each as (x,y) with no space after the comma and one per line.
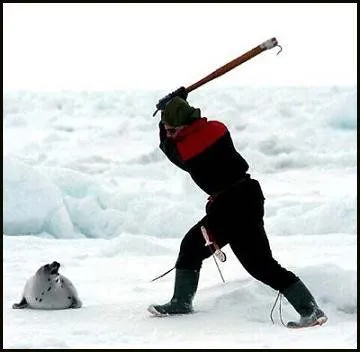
(22,304)
(76,303)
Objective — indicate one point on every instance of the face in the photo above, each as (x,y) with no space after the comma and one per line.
(171,131)
(50,269)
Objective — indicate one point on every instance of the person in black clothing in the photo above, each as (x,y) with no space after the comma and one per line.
(234,212)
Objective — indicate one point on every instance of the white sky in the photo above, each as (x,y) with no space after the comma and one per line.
(119,46)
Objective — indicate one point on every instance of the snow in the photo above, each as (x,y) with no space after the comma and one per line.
(85,184)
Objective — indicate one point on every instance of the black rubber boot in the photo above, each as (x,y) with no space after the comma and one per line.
(186,282)
(304,303)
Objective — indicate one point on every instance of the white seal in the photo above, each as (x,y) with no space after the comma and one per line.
(48,289)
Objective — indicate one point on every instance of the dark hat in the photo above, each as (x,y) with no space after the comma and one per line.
(178,112)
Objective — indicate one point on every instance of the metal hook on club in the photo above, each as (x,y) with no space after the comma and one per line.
(279,50)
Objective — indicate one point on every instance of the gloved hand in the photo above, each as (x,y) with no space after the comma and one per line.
(180,92)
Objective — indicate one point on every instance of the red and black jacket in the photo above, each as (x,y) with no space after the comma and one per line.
(205,150)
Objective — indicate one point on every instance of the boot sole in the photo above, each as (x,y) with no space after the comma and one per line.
(156,313)
(320,321)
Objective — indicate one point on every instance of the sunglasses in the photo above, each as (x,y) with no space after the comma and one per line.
(171,130)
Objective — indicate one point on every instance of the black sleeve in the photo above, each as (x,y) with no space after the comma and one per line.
(169,148)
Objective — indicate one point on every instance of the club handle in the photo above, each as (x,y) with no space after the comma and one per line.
(268,44)
(182,91)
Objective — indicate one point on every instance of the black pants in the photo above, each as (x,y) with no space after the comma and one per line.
(235,217)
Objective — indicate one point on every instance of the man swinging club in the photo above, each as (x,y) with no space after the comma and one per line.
(234,211)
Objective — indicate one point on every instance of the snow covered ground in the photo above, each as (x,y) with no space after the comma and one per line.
(85,184)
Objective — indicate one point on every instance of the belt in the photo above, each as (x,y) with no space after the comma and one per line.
(212,197)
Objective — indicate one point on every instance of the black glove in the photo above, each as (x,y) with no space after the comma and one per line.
(180,92)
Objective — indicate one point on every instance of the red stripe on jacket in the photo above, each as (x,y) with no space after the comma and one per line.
(198,136)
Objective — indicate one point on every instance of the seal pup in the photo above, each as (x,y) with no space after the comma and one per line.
(48,289)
